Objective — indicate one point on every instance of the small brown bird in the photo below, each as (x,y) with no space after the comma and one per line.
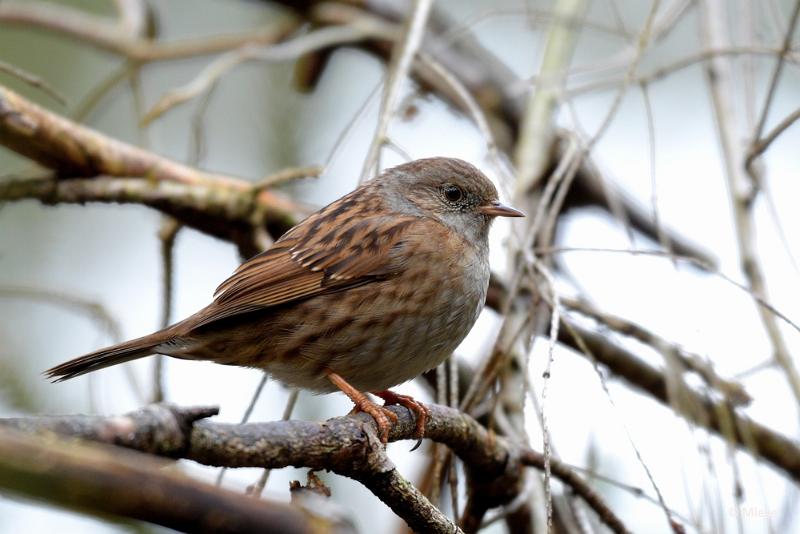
(369,292)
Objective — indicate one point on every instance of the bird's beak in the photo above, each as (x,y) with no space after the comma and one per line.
(495,209)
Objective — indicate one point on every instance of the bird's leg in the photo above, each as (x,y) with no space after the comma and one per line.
(381,414)
(416,407)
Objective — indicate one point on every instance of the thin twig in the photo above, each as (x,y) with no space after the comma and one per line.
(258,488)
(762,144)
(246,416)
(742,179)
(166,235)
(733,391)
(555,318)
(286,175)
(776,73)
(690,60)
(440,452)
(568,476)
(452,474)
(399,67)
(766,305)
(285,51)
(651,137)
(33,81)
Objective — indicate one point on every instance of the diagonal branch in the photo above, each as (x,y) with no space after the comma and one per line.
(752,437)
(219,205)
(776,73)
(130,484)
(121,37)
(72,149)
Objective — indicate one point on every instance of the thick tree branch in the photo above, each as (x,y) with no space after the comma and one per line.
(346,445)
(71,149)
(222,211)
(101,480)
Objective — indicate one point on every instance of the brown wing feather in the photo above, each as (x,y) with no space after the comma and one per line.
(300,265)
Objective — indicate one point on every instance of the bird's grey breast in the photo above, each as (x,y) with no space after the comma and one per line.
(455,304)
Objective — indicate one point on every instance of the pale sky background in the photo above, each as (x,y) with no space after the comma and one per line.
(109,254)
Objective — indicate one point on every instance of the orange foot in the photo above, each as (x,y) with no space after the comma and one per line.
(412,404)
(380,414)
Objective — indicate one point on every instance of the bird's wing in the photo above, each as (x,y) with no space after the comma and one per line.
(306,263)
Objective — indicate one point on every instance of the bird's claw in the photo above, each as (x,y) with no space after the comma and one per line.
(380,414)
(417,408)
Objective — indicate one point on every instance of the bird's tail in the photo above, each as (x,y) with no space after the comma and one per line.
(116,354)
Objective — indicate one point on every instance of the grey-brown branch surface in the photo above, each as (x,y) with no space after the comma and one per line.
(110,481)
(348,446)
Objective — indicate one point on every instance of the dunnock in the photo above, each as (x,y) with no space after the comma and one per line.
(367,293)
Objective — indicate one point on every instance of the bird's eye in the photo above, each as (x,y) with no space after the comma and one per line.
(452,193)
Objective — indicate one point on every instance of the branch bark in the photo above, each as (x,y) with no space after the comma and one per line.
(125,483)
(347,445)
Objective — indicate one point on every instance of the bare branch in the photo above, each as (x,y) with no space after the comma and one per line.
(219,210)
(398,70)
(776,73)
(33,81)
(346,445)
(199,199)
(285,51)
(762,144)
(750,436)
(119,37)
(130,484)
(537,129)
(733,391)
(743,181)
